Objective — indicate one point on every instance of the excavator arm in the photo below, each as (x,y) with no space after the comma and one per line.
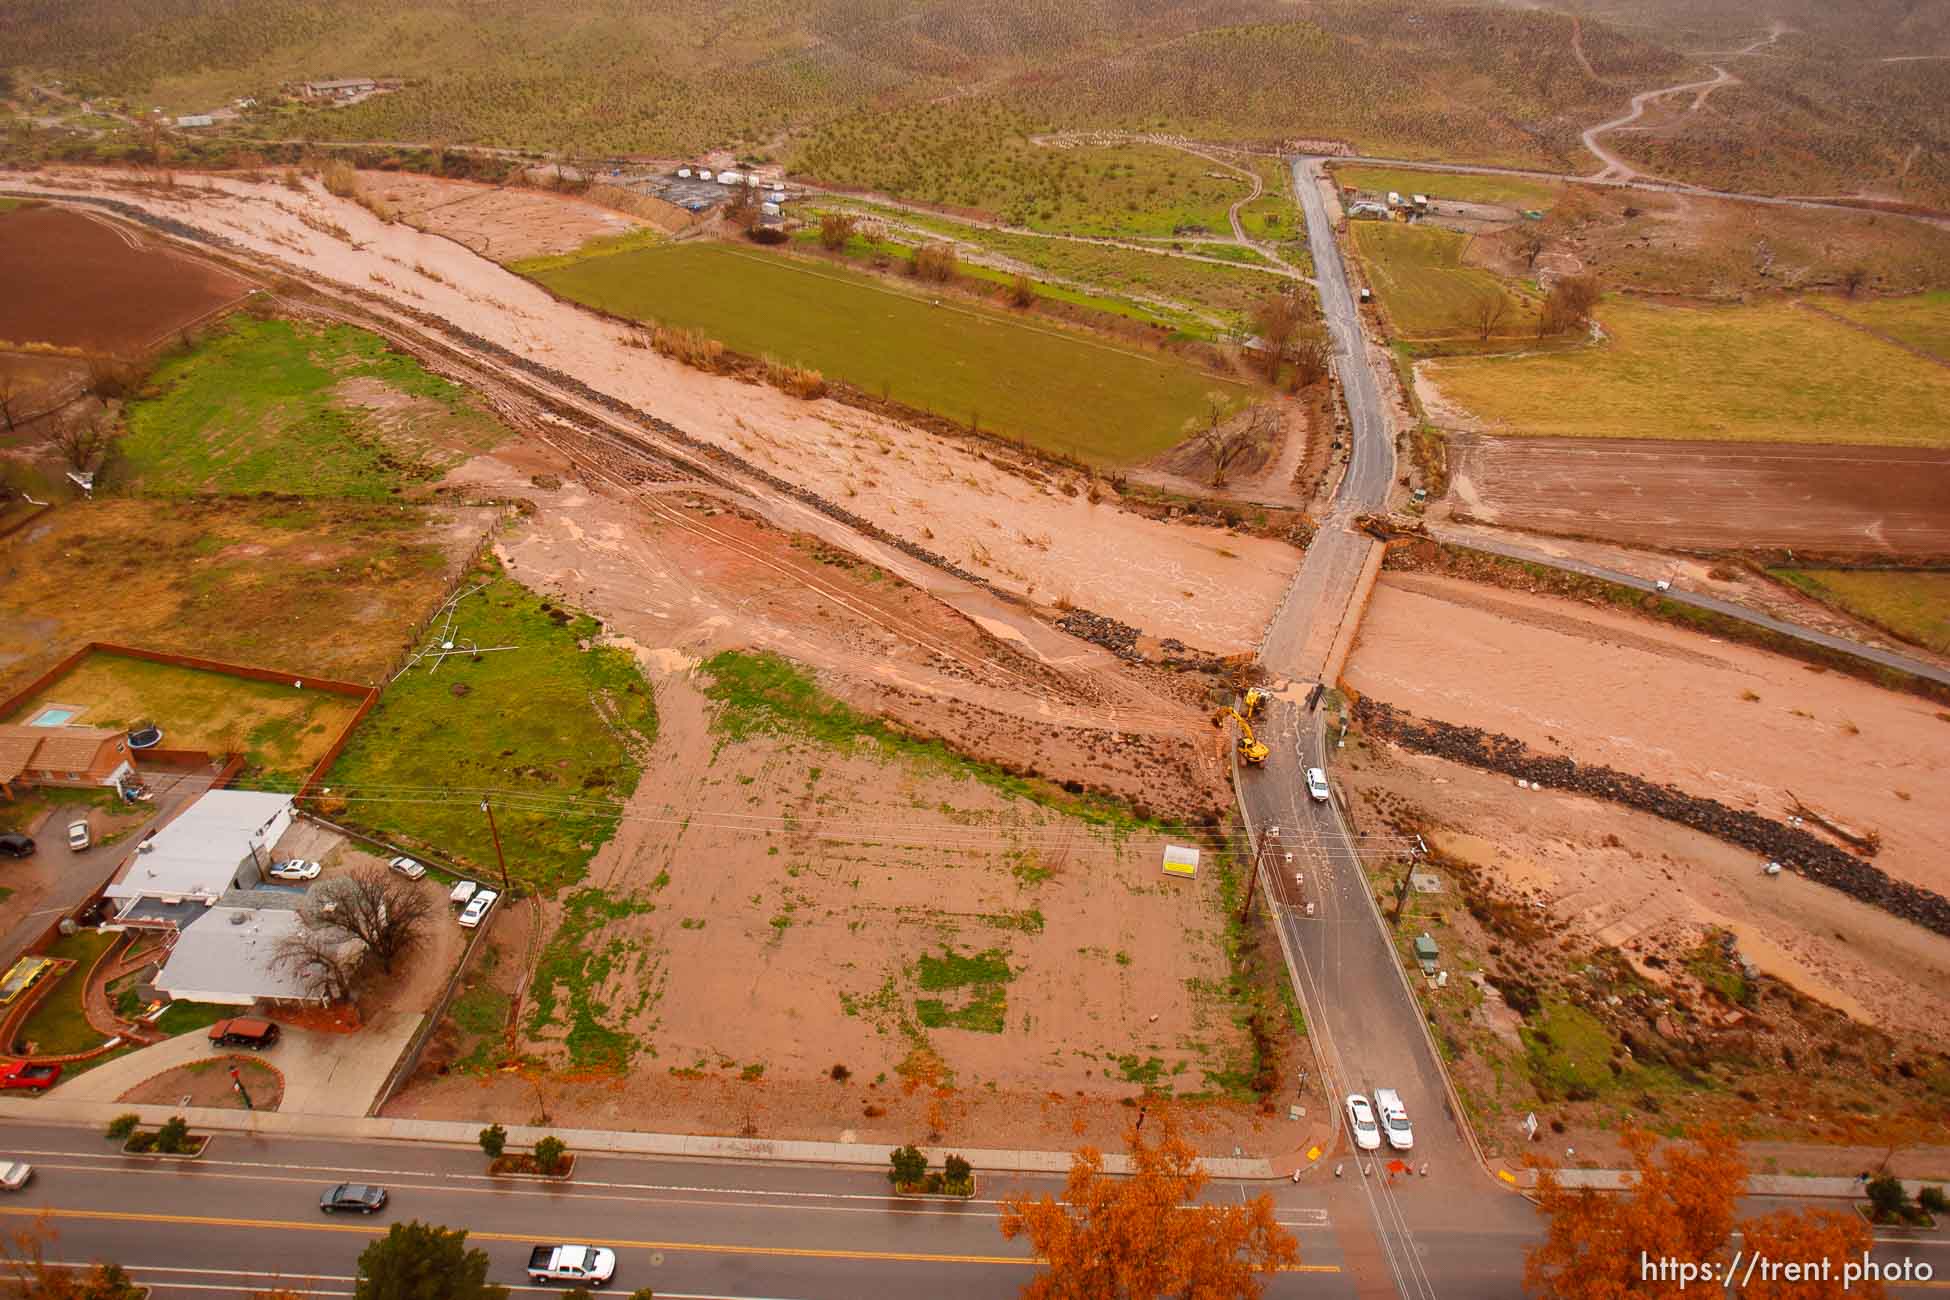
(1250,748)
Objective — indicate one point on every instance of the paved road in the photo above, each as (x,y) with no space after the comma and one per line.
(246,1214)
(1534,555)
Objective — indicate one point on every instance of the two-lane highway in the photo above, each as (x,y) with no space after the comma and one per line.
(245,1217)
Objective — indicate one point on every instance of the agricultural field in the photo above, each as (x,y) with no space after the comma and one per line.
(1922,321)
(504,222)
(281,730)
(245,581)
(1058,390)
(1915,605)
(72,276)
(1461,187)
(1426,292)
(1737,374)
(558,729)
(296,409)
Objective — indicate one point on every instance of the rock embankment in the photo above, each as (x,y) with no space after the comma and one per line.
(1795,849)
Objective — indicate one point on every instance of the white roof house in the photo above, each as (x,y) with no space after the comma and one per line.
(212,845)
(229,956)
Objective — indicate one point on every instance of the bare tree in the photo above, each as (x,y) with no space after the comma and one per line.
(1568,307)
(12,389)
(742,211)
(1312,351)
(1530,241)
(322,958)
(1276,320)
(1854,278)
(1022,291)
(1227,439)
(1488,312)
(81,440)
(835,229)
(389,913)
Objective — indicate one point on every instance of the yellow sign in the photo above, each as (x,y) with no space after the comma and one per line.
(1180,861)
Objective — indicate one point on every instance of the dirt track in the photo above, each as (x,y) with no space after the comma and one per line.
(1874,500)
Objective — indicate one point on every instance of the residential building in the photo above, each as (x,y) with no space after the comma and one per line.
(344,88)
(66,756)
(230,957)
(222,841)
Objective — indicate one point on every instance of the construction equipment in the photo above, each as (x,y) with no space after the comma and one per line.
(1255,700)
(1250,749)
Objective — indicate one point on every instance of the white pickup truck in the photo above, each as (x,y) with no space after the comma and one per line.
(576,1265)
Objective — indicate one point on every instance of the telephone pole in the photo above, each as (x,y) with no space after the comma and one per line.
(1259,856)
(506,892)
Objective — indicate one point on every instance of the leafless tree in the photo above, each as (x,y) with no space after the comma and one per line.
(321,958)
(1276,320)
(81,439)
(1022,291)
(1854,278)
(1530,240)
(11,391)
(1312,351)
(389,913)
(1568,307)
(1488,312)
(936,261)
(742,211)
(1227,439)
(835,229)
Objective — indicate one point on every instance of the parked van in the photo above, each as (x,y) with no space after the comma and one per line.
(1394,1119)
(243,1032)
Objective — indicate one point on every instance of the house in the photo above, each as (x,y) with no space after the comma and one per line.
(196,119)
(345,88)
(65,756)
(221,842)
(229,957)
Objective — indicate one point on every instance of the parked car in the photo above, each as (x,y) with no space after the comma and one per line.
(145,737)
(477,907)
(1394,1119)
(577,1265)
(362,1197)
(14,1174)
(1317,784)
(408,867)
(78,835)
(1360,1122)
(295,869)
(17,846)
(21,1074)
(462,892)
(244,1031)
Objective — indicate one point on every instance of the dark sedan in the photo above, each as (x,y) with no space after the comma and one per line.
(363,1197)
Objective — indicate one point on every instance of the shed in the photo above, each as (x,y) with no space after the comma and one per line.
(1425,952)
(684,173)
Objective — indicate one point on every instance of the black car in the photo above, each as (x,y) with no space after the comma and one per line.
(16,846)
(363,1197)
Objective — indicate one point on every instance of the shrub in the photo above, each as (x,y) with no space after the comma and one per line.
(494,1140)
(957,1176)
(932,1183)
(1022,291)
(1887,1196)
(122,1125)
(140,1141)
(1932,1199)
(910,1167)
(835,228)
(692,347)
(936,262)
(766,235)
(173,1138)
(840,1074)
(339,178)
(549,1153)
(800,381)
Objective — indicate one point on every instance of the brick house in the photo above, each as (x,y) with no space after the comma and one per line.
(68,756)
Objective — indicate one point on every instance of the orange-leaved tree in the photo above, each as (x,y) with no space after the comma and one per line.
(1805,1237)
(1679,1207)
(1141,1236)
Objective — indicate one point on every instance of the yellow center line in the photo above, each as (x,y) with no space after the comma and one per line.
(703,1247)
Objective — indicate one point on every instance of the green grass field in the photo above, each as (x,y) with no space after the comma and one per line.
(1510,191)
(1425,290)
(1771,373)
(559,731)
(1055,389)
(281,731)
(58,1025)
(274,406)
(1913,605)
(1920,320)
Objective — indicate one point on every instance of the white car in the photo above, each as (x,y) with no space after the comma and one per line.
(1394,1119)
(14,1174)
(1317,784)
(462,893)
(1360,1122)
(295,869)
(408,867)
(78,836)
(477,907)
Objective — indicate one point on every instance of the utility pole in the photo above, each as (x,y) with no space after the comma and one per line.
(1252,879)
(506,892)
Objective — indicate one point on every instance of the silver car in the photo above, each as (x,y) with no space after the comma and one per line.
(295,869)
(408,867)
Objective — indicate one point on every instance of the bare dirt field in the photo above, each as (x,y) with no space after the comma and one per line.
(74,280)
(1870,500)
(1040,536)
(503,223)
(1725,722)
(207,1083)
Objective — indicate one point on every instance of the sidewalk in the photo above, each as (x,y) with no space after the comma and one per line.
(1618,1180)
(71,1110)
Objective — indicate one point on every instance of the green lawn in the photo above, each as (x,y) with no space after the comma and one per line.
(275,406)
(1056,389)
(1570,1052)
(282,731)
(978,985)
(189,1017)
(1913,605)
(1425,290)
(1921,320)
(58,1025)
(557,732)
(1770,373)
(1510,191)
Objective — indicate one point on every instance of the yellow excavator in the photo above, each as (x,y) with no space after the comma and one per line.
(1250,749)
(1255,699)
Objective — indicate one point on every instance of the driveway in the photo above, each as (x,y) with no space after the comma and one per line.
(324,1073)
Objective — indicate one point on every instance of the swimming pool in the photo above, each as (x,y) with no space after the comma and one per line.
(54,718)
